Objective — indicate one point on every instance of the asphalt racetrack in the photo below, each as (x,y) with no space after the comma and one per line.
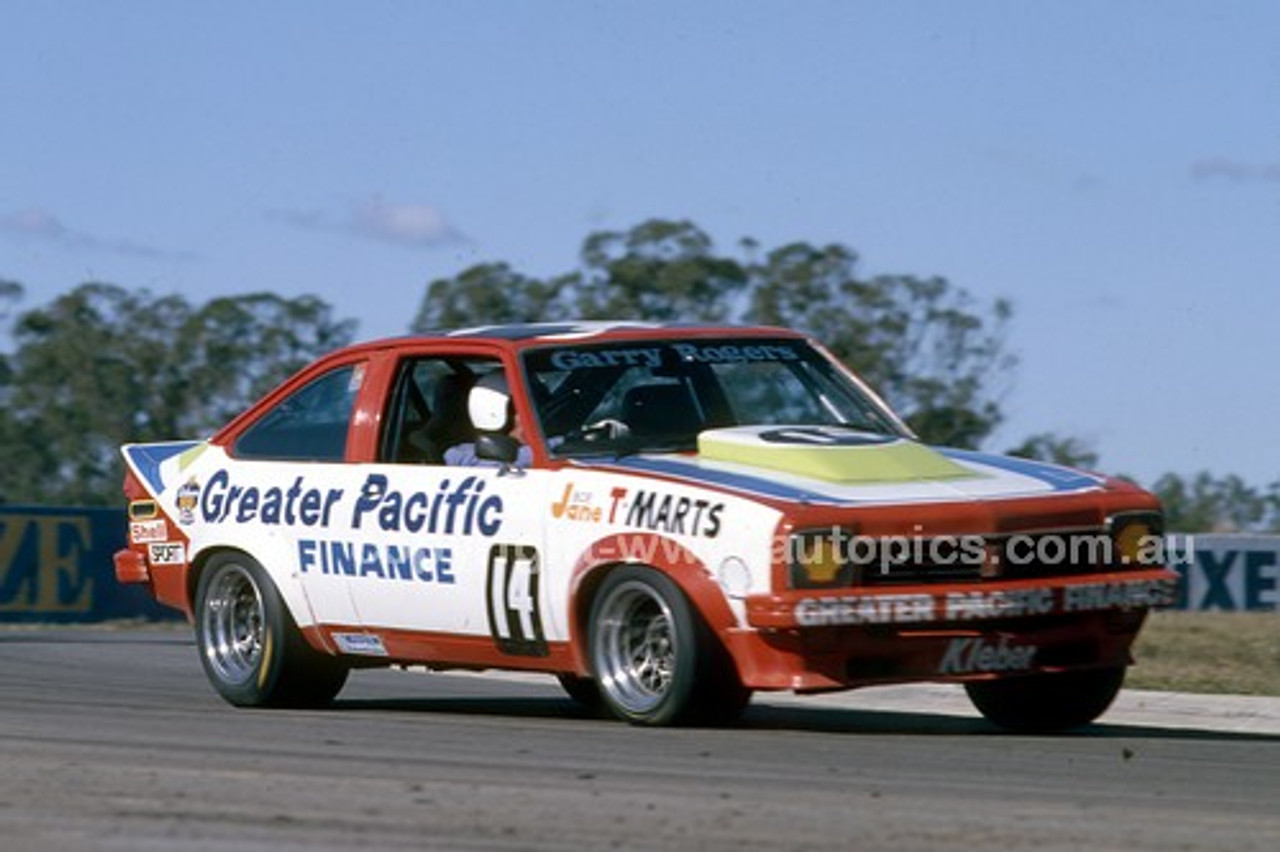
(112,739)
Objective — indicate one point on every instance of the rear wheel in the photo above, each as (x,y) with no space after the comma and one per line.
(250,647)
(655,661)
(1047,702)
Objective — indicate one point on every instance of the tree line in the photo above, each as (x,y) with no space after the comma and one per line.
(103,365)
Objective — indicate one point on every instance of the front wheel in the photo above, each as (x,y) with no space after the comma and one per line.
(250,647)
(654,660)
(1045,703)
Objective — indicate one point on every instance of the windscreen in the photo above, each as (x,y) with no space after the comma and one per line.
(656,396)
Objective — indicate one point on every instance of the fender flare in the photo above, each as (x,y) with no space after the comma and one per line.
(290,598)
(663,554)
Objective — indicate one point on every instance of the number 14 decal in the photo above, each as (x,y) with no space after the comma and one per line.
(515,619)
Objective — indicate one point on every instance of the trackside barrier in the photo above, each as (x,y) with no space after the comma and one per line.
(55,566)
(1228,573)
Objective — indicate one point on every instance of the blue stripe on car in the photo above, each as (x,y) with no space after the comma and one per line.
(147,458)
(1059,478)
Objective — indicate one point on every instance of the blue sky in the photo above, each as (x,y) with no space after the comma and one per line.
(1112,168)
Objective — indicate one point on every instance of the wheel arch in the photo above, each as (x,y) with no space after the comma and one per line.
(291,598)
(197,568)
(662,554)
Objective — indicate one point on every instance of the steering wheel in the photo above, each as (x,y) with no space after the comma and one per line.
(599,432)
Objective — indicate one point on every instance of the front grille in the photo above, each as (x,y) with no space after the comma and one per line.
(1004,556)
(1055,554)
(836,557)
(912,573)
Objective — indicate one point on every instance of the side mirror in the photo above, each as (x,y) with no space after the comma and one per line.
(495,446)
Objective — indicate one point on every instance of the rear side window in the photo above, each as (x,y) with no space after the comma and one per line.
(308,425)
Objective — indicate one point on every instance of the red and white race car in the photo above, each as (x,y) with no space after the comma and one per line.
(666,517)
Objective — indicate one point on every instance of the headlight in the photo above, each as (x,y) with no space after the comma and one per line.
(734,577)
(1138,538)
(818,559)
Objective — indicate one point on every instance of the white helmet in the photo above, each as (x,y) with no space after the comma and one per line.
(489,403)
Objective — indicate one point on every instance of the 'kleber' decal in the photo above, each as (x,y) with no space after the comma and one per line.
(977,654)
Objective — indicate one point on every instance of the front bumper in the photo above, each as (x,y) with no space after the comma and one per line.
(836,639)
(963,603)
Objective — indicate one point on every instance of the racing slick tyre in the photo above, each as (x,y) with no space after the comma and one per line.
(1045,703)
(655,661)
(250,646)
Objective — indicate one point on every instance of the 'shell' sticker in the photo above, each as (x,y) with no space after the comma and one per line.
(141,532)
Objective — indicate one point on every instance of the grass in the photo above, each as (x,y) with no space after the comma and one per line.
(1219,652)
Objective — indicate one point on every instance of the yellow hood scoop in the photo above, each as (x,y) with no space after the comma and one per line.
(830,454)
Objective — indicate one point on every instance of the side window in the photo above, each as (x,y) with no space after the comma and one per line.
(427,410)
(308,425)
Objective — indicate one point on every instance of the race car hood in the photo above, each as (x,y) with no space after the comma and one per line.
(825,465)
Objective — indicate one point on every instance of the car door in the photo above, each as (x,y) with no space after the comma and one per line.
(451,550)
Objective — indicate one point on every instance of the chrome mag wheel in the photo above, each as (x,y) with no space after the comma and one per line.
(636,647)
(234,628)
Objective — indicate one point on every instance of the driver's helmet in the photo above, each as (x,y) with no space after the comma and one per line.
(489,403)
